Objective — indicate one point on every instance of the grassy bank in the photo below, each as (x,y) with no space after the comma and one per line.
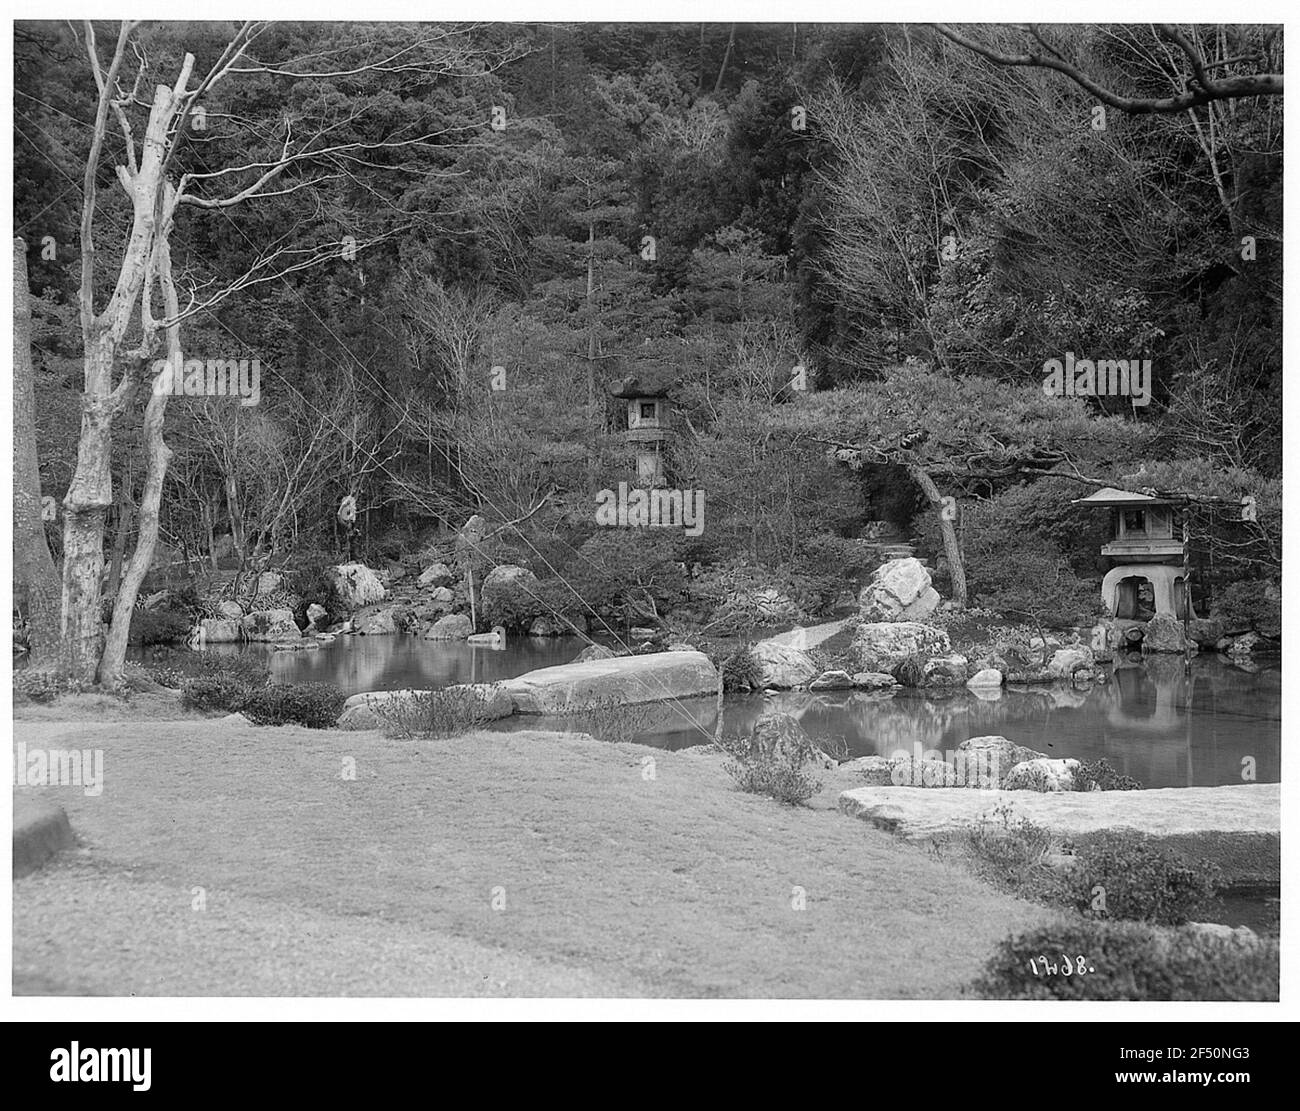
(609,882)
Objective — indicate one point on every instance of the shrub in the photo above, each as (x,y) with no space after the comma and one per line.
(315,705)
(1139,880)
(774,770)
(313,586)
(1125,960)
(157,627)
(1250,604)
(215,692)
(1013,851)
(440,713)
(1098,775)
(910,672)
(38,686)
(741,669)
(512,605)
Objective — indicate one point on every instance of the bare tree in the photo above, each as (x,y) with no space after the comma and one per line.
(116,343)
(1193,83)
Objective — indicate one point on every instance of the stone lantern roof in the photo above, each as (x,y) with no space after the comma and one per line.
(643,378)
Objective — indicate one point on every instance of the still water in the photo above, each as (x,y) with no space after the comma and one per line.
(1151,720)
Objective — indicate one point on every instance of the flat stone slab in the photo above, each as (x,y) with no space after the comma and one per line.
(572,688)
(40,830)
(1238,826)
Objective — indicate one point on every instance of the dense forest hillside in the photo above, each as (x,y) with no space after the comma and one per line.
(846,253)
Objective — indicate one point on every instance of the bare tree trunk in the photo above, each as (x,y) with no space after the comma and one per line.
(36,582)
(722,72)
(956,568)
(85,508)
(158,455)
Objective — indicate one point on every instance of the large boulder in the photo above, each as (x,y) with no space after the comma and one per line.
(1066,661)
(573,688)
(271,625)
(780,737)
(1242,647)
(472,533)
(220,630)
(1042,774)
(231,610)
(437,574)
(992,758)
(784,667)
(356,585)
(876,771)
(594,652)
(1164,633)
(1104,638)
(455,626)
(899,590)
(985,679)
(945,671)
(362,711)
(882,646)
(376,621)
(438,601)
(268,582)
(1206,631)
(832,681)
(510,592)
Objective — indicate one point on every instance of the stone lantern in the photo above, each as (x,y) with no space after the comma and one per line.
(646,393)
(1149,575)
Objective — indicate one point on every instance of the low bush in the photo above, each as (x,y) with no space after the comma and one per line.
(315,705)
(1250,604)
(1013,852)
(1138,880)
(449,712)
(910,672)
(741,669)
(1098,775)
(215,692)
(1126,960)
(779,771)
(38,686)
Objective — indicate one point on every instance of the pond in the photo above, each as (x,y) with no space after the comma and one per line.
(1152,720)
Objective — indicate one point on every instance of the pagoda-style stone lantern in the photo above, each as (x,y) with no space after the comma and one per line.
(646,393)
(1150,572)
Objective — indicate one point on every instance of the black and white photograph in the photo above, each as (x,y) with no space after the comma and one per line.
(564,507)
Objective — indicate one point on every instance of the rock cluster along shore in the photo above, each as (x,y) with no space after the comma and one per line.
(572,688)
(426,595)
